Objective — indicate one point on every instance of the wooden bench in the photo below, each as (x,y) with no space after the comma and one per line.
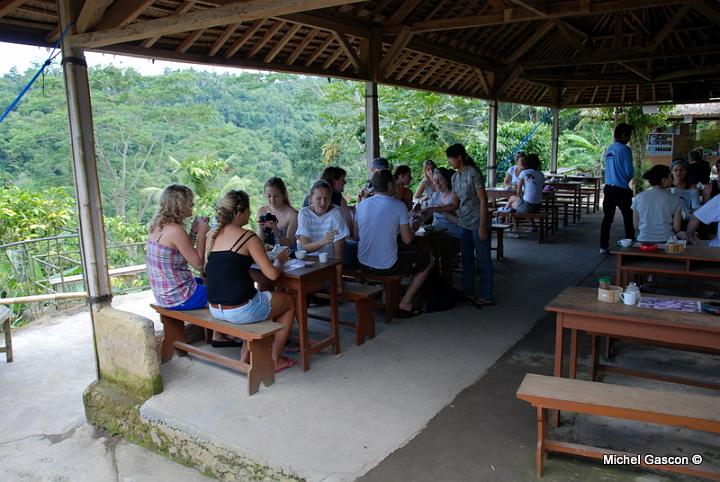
(696,412)
(363,296)
(499,230)
(115,272)
(5,321)
(391,285)
(258,336)
(543,218)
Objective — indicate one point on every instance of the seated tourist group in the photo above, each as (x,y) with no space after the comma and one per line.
(377,235)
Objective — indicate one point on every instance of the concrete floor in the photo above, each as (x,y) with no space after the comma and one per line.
(429,399)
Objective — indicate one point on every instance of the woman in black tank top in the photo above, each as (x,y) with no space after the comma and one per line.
(232,296)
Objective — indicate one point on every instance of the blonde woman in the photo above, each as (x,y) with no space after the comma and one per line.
(425,188)
(170,249)
(232,296)
(277,220)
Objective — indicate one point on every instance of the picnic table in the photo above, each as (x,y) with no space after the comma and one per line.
(593,183)
(696,262)
(572,191)
(578,309)
(301,282)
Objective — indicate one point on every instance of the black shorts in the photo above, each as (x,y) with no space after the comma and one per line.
(410,260)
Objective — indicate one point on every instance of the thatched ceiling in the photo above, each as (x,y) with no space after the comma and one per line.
(541,52)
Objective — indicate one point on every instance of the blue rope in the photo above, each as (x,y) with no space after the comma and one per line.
(505,164)
(45,65)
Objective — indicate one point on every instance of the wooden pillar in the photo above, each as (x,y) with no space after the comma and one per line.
(372,123)
(87,188)
(492,143)
(555,138)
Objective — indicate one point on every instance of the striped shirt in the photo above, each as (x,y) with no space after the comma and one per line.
(171,281)
(314,227)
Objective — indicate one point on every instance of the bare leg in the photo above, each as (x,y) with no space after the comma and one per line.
(282,311)
(415,284)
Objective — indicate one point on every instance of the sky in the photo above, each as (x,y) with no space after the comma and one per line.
(22,57)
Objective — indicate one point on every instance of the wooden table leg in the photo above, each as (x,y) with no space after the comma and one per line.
(558,358)
(594,357)
(173,330)
(334,320)
(262,368)
(572,361)
(618,269)
(302,319)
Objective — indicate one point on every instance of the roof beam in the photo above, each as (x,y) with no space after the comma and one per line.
(302,45)
(668,27)
(530,42)
(91,12)
(680,74)
(537,6)
(627,55)
(348,49)
(242,40)
(403,11)
(211,17)
(7,6)
(282,43)
(567,8)
(645,74)
(708,11)
(388,61)
(220,41)
(184,7)
(429,48)
(122,13)
(328,22)
(575,36)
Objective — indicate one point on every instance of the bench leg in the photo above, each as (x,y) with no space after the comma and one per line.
(572,362)
(542,431)
(392,293)
(8,341)
(500,252)
(365,321)
(173,330)
(262,368)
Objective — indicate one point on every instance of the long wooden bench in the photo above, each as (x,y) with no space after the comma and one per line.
(391,285)
(543,219)
(258,336)
(693,411)
(363,297)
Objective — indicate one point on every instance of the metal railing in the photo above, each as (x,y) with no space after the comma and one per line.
(52,265)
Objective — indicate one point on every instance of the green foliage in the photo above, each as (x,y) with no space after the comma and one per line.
(28,215)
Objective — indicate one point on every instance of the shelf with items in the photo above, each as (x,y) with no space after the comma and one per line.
(660,144)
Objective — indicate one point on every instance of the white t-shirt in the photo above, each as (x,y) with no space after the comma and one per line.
(690,197)
(709,213)
(379,219)
(514,177)
(656,208)
(533,183)
(314,227)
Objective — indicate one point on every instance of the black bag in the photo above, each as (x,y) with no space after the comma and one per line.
(439,295)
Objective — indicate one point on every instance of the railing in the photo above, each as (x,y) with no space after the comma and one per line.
(52,265)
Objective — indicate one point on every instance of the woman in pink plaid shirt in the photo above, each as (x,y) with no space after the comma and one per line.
(170,249)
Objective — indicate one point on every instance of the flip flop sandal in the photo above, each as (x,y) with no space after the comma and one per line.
(289,362)
(292,348)
(407,314)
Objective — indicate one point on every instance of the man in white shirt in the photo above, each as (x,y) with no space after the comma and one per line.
(379,220)
(707,213)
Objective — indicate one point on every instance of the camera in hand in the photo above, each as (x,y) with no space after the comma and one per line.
(268,235)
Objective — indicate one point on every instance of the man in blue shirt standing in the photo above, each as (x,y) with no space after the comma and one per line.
(617,193)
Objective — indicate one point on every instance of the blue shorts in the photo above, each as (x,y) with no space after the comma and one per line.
(197,300)
(257,309)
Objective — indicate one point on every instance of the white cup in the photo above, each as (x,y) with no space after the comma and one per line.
(625,243)
(300,254)
(629,298)
(323,257)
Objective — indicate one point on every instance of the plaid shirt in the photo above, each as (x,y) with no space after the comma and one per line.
(171,281)
(466,184)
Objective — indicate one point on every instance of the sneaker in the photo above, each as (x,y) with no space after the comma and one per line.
(513,234)
(604,251)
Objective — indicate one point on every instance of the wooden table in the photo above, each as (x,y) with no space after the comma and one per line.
(572,190)
(499,192)
(595,182)
(302,282)
(696,262)
(578,309)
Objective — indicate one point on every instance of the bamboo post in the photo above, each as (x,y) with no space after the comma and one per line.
(492,143)
(555,139)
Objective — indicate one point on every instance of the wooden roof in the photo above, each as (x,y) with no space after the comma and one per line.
(541,52)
